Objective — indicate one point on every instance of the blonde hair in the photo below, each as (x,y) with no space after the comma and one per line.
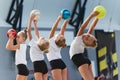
(24,33)
(44,46)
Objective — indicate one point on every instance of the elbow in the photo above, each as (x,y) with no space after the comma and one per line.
(7,47)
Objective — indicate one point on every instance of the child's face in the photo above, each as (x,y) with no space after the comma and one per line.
(20,38)
(88,39)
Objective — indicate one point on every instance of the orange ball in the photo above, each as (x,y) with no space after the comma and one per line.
(14,33)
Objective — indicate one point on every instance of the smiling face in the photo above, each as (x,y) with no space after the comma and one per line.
(89,40)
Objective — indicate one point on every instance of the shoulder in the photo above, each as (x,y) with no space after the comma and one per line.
(78,38)
(32,42)
(23,45)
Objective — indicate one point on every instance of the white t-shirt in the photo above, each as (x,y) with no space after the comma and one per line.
(77,46)
(54,50)
(35,53)
(20,56)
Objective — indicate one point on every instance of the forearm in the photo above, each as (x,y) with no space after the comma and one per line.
(29,24)
(36,30)
(63,28)
(9,44)
(84,25)
(29,29)
(92,26)
(54,27)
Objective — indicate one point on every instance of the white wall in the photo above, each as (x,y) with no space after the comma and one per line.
(113,11)
(49,10)
(4,8)
(7,60)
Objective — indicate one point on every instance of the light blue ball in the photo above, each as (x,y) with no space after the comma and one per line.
(65,13)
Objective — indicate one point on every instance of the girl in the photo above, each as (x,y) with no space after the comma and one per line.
(59,70)
(20,56)
(37,48)
(80,42)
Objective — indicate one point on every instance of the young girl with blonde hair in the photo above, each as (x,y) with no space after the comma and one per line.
(37,50)
(59,69)
(80,42)
(20,54)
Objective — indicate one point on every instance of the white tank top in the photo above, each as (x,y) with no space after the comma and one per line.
(77,46)
(20,56)
(35,53)
(54,50)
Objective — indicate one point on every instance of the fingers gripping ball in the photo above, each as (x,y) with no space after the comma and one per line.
(11,31)
(36,13)
(101,10)
(65,13)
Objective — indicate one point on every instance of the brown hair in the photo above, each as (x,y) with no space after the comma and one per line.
(44,46)
(94,44)
(61,43)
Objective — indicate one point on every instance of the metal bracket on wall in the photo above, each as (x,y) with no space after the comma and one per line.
(14,17)
(77,15)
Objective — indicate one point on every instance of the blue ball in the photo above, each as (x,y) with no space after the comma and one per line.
(65,13)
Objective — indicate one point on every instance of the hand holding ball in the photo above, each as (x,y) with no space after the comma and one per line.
(36,13)
(11,31)
(65,14)
(101,10)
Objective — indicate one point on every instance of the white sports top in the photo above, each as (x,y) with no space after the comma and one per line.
(54,50)
(77,46)
(20,56)
(35,53)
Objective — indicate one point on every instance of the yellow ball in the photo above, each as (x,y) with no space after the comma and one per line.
(101,10)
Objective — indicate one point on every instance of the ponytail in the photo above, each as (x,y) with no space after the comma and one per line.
(24,33)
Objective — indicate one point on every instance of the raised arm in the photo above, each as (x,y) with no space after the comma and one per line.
(29,26)
(36,30)
(92,26)
(85,23)
(64,27)
(54,27)
(10,44)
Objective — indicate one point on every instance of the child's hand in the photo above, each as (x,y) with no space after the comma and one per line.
(32,16)
(94,13)
(67,20)
(35,21)
(11,36)
(60,17)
